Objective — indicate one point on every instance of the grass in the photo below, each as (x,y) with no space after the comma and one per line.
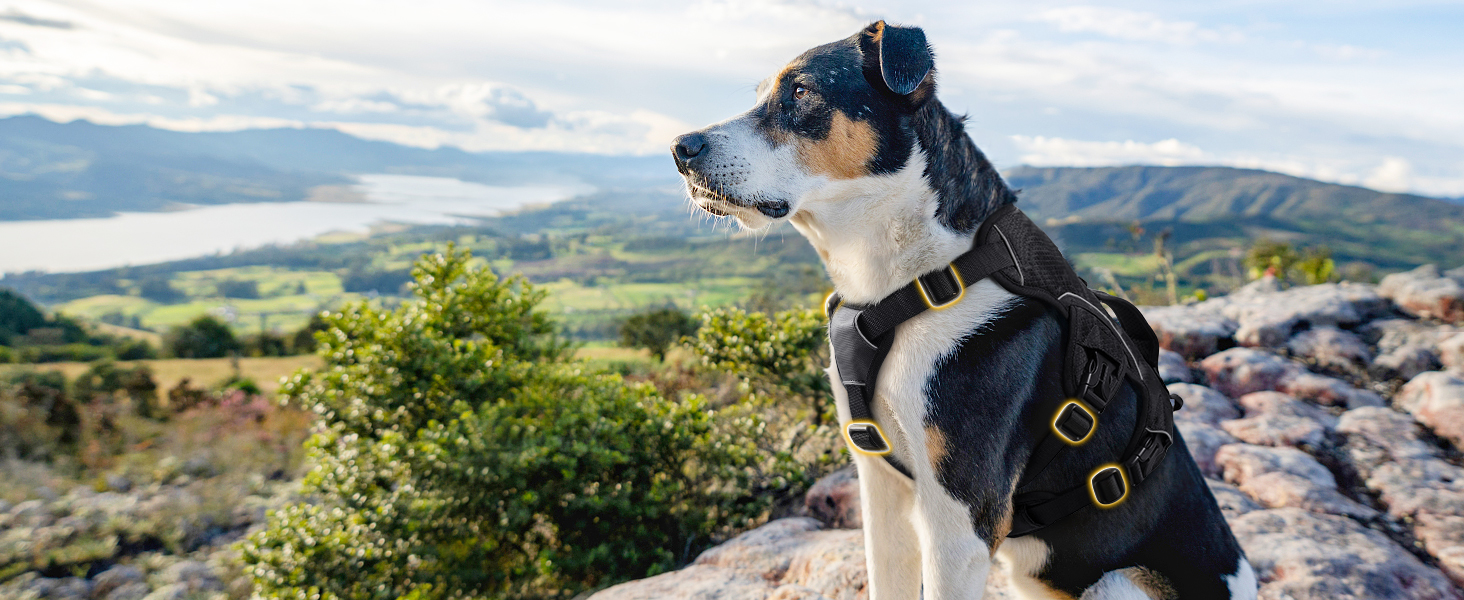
(265,371)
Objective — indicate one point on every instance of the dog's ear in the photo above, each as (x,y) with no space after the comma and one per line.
(899,55)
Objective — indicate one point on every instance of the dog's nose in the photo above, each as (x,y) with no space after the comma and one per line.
(688,147)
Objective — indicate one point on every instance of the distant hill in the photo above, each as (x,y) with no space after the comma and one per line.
(53,170)
(1384,229)
(1210,193)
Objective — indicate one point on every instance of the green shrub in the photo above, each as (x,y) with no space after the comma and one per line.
(780,359)
(783,355)
(460,453)
(204,337)
(656,330)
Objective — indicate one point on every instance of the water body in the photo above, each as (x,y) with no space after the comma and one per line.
(69,245)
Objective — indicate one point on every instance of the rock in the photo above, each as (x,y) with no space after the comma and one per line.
(1424,292)
(1279,490)
(1269,319)
(115,578)
(195,577)
(129,591)
(1232,501)
(1451,353)
(1391,334)
(756,565)
(1309,556)
(1331,348)
(67,588)
(1410,480)
(172,591)
(119,483)
(1189,332)
(834,499)
(31,513)
(1202,405)
(1242,462)
(1240,371)
(1172,368)
(1436,399)
(785,559)
(1267,284)
(1404,363)
(1328,391)
(1203,441)
(1276,419)
(1377,435)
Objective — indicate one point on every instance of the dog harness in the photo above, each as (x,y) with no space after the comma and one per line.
(1100,354)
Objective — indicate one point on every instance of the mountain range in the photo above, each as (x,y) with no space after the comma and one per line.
(53,170)
(80,169)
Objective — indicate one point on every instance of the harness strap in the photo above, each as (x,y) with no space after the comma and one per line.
(862,335)
(1101,356)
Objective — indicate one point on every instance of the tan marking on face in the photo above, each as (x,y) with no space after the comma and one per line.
(878,32)
(935,446)
(1155,585)
(845,153)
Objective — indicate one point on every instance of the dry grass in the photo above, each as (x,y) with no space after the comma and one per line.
(265,371)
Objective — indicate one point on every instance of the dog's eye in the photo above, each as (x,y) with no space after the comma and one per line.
(799,92)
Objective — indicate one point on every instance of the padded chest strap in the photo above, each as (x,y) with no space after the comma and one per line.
(862,335)
(1101,355)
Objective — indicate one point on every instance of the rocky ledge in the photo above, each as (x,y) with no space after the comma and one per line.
(1328,419)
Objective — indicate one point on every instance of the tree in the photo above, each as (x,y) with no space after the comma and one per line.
(1270,256)
(462,453)
(17,316)
(657,330)
(239,288)
(158,289)
(204,337)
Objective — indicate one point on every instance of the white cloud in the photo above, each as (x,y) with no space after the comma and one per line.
(1132,25)
(1046,152)
(1394,175)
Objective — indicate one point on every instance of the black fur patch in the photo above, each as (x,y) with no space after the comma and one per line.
(970,189)
(1171,524)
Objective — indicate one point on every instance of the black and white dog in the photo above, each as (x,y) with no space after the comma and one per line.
(850,145)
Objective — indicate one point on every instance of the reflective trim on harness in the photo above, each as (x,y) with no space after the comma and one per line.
(865,437)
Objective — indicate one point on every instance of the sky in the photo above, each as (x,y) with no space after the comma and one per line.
(1365,93)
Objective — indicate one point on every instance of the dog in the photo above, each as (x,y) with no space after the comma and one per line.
(849,144)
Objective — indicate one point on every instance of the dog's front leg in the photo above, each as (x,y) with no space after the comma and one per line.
(956,560)
(891,546)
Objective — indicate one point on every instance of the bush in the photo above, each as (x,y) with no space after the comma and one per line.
(205,337)
(461,453)
(239,288)
(17,316)
(159,289)
(656,330)
(780,359)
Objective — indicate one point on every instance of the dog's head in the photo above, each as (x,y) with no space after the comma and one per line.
(836,116)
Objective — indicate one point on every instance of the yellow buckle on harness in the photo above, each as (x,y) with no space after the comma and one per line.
(1065,435)
(925,295)
(1107,472)
(865,428)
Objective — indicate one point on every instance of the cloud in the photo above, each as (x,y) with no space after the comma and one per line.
(16,16)
(1045,151)
(1132,25)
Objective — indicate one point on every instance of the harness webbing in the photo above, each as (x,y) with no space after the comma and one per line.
(1099,357)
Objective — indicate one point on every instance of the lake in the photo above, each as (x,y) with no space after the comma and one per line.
(67,245)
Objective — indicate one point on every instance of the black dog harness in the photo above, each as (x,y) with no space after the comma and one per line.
(1100,354)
